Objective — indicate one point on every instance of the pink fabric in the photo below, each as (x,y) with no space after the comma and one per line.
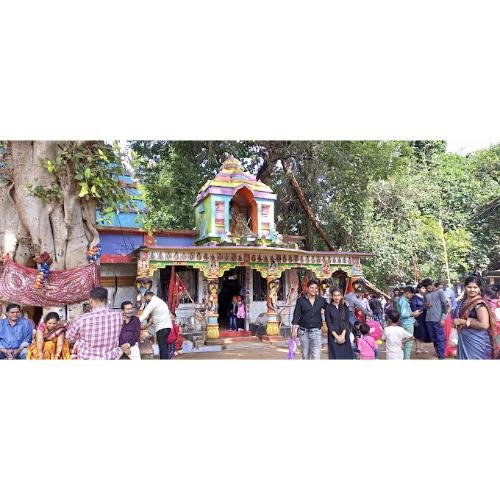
(17,284)
(367,346)
(450,350)
(59,328)
(375,329)
(241,311)
(98,334)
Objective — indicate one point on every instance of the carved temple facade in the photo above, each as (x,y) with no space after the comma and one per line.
(235,250)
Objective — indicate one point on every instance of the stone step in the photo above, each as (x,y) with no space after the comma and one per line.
(233,334)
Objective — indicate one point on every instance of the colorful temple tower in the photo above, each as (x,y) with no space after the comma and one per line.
(236,250)
(235,205)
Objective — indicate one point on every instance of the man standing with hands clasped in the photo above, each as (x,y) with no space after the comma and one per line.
(307,321)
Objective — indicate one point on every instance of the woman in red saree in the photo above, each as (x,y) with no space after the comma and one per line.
(49,340)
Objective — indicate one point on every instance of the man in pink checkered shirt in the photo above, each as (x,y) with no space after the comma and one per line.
(98,331)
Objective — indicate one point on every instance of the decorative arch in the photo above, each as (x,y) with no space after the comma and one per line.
(243,201)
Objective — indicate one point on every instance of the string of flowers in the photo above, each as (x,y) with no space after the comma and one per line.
(94,253)
(44,261)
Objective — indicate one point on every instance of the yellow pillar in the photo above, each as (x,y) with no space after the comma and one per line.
(273,285)
(213,309)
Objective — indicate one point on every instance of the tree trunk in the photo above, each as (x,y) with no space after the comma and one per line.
(305,205)
(30,224)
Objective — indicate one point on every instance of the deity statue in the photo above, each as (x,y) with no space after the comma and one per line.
(213,266)
(213,297)
(142,285)
(325,268)
(272,296)
(240,225)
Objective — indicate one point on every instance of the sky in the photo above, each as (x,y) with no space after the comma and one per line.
(464,147)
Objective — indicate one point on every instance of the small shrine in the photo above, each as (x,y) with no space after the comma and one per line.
(236,250)
(235,207)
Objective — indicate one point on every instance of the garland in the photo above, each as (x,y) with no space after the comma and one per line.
(94,253)
(44,261)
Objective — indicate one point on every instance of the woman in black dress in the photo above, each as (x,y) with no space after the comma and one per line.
(337,321)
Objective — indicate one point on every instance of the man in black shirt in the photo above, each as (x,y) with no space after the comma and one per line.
(377,309)
(307,320)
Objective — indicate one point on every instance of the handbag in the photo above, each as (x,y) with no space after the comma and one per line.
(292,347)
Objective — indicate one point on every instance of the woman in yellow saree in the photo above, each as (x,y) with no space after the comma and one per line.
(49,340)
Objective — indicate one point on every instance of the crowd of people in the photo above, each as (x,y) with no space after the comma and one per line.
(358,323)
(101,333)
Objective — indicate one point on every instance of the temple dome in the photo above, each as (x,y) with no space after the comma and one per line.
(230,178)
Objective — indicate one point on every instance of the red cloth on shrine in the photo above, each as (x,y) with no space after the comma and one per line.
(174,333)
(17,284)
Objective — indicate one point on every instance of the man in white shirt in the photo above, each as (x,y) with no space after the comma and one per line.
(395,336)
(160,319)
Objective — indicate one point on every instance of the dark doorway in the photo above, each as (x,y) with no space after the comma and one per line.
(232,283)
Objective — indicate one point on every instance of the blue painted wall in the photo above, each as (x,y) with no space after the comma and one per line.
(121,244)
(125,219)
(174,241)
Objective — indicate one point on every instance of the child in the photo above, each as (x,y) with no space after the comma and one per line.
(354,336)
(366,344)
(240,315)
(172,337)
(233,310)
(395,336)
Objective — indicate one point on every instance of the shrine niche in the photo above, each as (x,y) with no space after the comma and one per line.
(235,208)
(243,211)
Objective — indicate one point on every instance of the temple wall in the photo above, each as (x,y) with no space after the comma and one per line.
(120,244)
(125,274)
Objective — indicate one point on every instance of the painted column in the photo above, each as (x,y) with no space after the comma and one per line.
(325,276)
(248,296)
(213,308)
(273,285)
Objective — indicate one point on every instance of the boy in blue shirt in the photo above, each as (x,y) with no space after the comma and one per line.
(407,317)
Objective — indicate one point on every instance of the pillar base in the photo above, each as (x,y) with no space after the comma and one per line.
(212,326)
(272,328)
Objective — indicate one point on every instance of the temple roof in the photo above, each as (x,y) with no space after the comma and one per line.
(231,177)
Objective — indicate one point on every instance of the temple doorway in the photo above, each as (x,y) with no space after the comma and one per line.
(232,283)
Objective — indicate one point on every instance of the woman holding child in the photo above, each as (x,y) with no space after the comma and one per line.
(337,321)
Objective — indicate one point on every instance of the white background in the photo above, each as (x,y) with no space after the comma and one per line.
(221,69)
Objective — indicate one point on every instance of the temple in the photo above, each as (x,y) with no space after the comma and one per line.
(234,250)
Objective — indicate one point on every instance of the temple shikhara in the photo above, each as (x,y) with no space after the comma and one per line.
(234,250)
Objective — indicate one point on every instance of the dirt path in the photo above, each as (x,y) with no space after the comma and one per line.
(261,350)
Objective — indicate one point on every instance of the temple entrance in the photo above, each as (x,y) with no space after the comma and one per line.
(232,283)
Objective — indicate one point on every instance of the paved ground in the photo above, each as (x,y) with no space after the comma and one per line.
(261,350)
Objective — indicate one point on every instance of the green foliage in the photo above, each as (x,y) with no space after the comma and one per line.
(95,168)
(173,172)
(52,194)
(385,197)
